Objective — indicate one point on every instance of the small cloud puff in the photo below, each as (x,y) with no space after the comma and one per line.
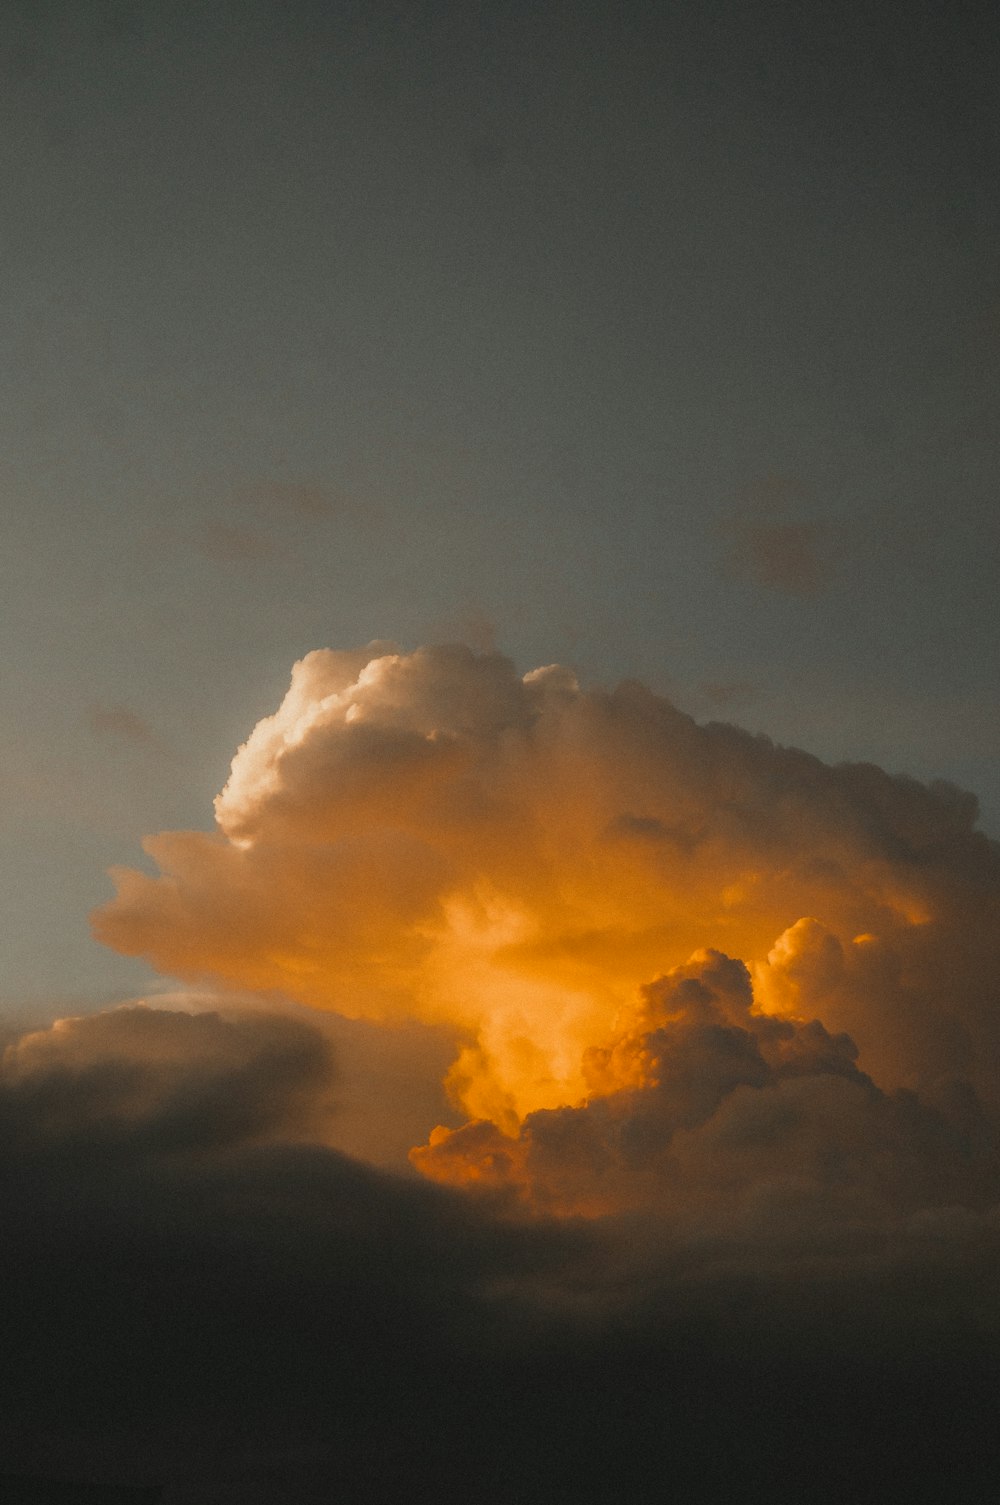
(286,496)
(793,558)
(229,543)
(122,723)
(773,548)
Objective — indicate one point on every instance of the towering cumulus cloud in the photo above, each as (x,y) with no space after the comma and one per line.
(684,968)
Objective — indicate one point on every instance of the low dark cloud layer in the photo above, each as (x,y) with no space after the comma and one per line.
(199,1292)
(141,1081)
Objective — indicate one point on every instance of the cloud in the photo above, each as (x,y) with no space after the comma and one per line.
(121,722)
(152,1080)
(230,543)
(433,837)
(201,1293)
(703,1106)
(794,558)
(287,496)
(386,1085)
(726,1075)
(189,1258)
(771,546)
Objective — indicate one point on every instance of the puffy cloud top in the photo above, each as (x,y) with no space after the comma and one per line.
(727,1047)
(702,1106)
(432,836)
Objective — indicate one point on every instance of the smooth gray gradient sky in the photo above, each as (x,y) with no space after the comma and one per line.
(659,340)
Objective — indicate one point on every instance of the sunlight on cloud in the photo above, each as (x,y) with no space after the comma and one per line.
(557,875)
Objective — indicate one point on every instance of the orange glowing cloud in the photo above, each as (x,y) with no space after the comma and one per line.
(703,1105)
(432,836)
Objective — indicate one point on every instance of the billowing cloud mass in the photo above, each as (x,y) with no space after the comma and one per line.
(703,1106)
(722,1183)
(432,836)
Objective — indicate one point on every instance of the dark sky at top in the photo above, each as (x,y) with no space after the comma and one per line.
(661,340)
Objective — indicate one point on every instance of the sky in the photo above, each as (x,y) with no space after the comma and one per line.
(499,546)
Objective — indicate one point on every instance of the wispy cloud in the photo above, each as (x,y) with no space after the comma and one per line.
(232,543)
(772,541)
(288,497)
(791,557)
(122,723)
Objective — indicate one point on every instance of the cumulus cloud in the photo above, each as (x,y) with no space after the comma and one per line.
(703,1106)
(726,1070)
(433,836)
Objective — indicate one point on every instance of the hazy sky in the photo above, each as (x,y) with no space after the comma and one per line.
(658,340)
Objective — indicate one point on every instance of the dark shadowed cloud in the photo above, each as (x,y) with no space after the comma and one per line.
(133,1078)
(200,1293)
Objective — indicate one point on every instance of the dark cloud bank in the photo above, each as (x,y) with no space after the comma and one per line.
(197,1292)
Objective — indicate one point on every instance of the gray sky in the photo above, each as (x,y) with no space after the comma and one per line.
(663,341)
